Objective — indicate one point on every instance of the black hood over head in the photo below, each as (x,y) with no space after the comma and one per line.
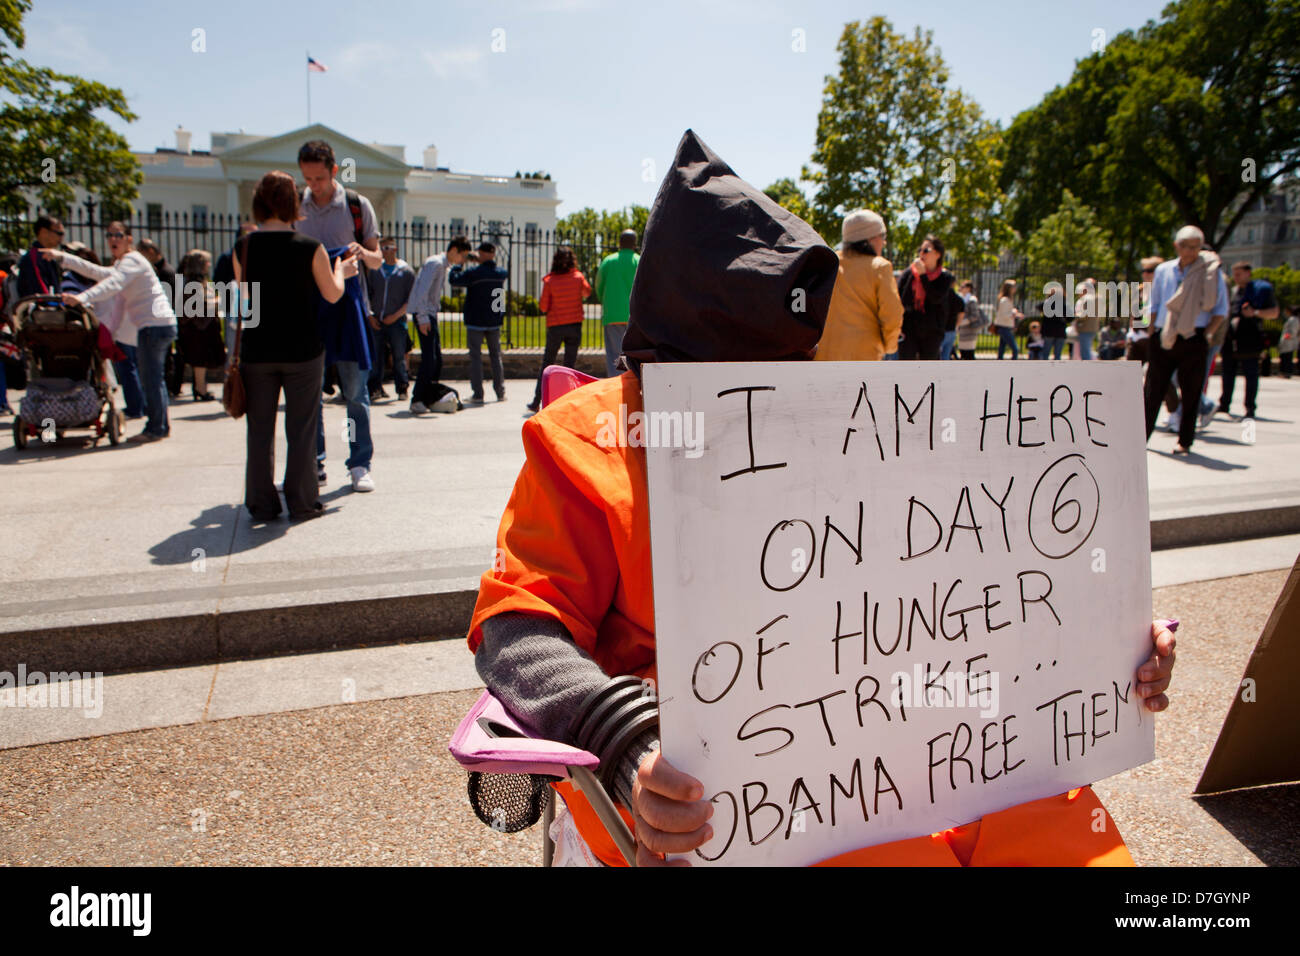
(726,274)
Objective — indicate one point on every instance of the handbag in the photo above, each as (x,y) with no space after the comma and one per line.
(233,397)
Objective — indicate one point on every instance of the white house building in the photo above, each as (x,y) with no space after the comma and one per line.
(222,180)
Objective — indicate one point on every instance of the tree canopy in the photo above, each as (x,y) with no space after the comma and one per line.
(50,138)
(1071,236)
(894,137)
(1186,120)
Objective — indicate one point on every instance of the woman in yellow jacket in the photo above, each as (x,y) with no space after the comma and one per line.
(865,313)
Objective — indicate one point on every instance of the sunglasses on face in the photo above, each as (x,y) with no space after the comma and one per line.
(115,235)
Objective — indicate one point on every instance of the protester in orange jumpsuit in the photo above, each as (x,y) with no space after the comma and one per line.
(570,603)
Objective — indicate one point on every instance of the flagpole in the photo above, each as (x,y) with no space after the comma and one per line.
(306,65)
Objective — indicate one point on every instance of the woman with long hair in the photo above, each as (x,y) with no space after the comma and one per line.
(1006,317)
(199,339)
(865,314)
(280,347)
(930,303)
(563,290)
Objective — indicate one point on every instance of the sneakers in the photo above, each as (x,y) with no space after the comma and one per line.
(1207,416)
(474,400)
(1174,421)
(377,393)
(532,407)
(401,394)
(419,408)
(501,395)
(361,480)
(320,474)
(144,438)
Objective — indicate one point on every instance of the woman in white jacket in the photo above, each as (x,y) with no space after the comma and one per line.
(140,314)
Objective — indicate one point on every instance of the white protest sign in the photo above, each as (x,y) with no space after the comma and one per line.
(892,597)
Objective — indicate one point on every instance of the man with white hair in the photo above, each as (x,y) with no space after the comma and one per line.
(1189,301)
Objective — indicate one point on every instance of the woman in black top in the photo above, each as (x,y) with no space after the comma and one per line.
(930,303)
(281,347)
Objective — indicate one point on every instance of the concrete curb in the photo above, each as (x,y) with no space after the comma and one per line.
(186,640)
(1224,526)
(182,641)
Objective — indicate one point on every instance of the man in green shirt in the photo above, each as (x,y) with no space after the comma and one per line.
(614,289)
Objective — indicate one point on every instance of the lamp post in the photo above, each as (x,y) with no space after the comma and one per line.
(90,204)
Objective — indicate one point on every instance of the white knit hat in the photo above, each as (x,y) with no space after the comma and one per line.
(860,225)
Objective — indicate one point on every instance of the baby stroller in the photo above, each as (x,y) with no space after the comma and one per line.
(510,771)
(69,382)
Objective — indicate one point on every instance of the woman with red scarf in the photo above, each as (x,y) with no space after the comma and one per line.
(930,304)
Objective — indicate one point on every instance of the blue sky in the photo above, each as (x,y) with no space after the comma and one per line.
(593,91)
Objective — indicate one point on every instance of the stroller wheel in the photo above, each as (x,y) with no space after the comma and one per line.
(20,433)
(114,426)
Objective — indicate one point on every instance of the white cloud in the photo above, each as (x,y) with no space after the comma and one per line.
(454,62)
(64,45)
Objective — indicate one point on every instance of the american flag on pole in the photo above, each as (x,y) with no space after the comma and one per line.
(316,66)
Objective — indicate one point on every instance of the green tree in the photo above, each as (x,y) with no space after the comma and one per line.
(50,138)
(1071,236)
(787,194)
(1187,119)
(594,234)
(892,136)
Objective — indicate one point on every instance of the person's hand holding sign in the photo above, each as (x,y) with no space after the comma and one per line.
(1154,675)
(670,811)
(672,815)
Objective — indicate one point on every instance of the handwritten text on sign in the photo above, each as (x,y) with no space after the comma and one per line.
(893,597)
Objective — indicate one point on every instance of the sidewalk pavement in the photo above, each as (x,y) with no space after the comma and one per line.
(143,556)
(371,782)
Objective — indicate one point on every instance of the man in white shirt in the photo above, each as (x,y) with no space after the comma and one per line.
(139,313)
(426,298)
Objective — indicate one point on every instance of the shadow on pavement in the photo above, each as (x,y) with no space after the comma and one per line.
(1196,458)
(210,535)
(1265,819)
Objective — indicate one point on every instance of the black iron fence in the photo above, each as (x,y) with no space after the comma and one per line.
(526,255)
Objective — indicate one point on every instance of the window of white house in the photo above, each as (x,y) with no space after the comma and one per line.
(153,215)
(199,217)
(530,283)
(530,231)
(457,227)
(420,227)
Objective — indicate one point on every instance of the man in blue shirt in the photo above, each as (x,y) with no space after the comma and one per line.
(1189,301)
(1252,300)
(485,310)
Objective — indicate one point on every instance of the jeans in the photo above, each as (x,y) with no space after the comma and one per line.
(354,383)
(949,340)
(1054,346)
(153,343)
(301,384)
(1248,367)
(430,364)
(391,338)
(1007,336)
(1085,345)
(890,357)
(125,370)
(474,338)
(568,335)
(614,333)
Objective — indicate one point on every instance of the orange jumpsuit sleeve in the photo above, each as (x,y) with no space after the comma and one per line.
(555,557)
